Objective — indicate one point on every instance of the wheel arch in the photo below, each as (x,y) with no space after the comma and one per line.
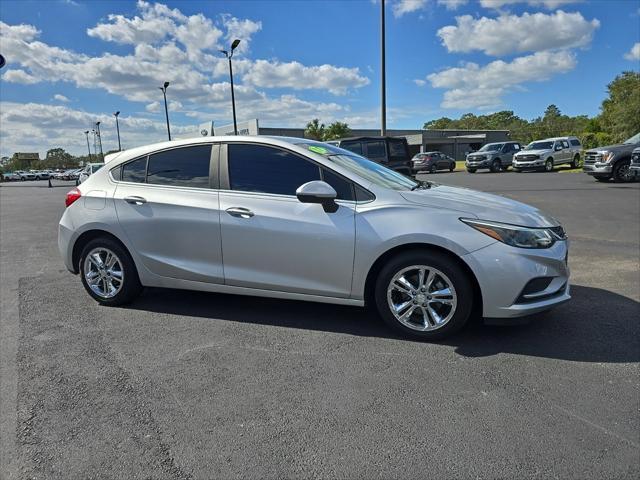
(85,238)
(376,267)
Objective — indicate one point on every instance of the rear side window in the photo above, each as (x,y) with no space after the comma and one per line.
(258,168)
(575,142)
(397,149)
(184,167)
(355,147)
(376,150)
(135,171)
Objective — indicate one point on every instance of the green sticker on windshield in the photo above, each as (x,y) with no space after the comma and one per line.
(320,150)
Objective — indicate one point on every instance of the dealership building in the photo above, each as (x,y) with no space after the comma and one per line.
(455,143)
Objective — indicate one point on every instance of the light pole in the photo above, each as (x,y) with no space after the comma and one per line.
(95,142)
(99,140)
(118,130)
(86,133)
(166,110)
(383,79)
(234,45)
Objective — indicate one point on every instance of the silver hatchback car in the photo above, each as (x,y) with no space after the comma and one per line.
(298,219)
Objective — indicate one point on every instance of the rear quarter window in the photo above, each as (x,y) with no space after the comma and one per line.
(575,142)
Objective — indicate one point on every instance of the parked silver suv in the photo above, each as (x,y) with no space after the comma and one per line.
(494,156)
(546,154)
(299,219)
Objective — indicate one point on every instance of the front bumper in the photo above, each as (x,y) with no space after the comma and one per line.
(528,164)
(597,169)
(477,164)
(503,272)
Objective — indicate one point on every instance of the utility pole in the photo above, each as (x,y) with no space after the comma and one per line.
(383,79)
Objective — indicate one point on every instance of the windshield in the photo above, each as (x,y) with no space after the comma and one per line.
(539,146)
(490,147)
(371,171)
(634,139)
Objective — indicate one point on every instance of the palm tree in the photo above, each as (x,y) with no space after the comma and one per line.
(337,130)
(315,130)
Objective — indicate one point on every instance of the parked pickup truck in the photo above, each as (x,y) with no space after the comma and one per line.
(494,156)
(612,161)
(635,162)
(546,154)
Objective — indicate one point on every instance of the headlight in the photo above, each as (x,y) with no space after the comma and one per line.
(607,156)
(516,236)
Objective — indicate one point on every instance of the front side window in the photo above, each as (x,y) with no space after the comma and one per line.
(184,167)
(135,171)
(259,168)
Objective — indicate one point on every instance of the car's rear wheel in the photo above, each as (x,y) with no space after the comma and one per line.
(108,272)
(424,294)
(622,171)
(548,165)
(452,167)
(433,169)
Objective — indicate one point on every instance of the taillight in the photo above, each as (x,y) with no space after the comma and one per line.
(72,195)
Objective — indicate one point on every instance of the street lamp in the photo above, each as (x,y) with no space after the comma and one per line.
(166,111)
(99,140)
(86,133)
(118,130)
(234,45)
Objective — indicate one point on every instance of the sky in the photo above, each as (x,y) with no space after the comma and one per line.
(71,63)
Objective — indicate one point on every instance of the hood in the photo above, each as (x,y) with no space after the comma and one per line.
(484,206)
(534,152)
(619,147)
(488,152)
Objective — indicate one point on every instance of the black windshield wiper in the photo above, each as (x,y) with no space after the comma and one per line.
(421,184)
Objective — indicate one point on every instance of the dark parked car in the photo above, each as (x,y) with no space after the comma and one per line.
(494,156)
(635,162)
(432,162)
(391,152)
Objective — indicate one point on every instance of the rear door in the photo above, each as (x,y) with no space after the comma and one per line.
(270,240)
(167,205)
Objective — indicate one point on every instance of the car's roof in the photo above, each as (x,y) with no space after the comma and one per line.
(146,149)
(368,137)
(560,138)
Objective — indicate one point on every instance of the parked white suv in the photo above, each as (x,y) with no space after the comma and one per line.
(546,154)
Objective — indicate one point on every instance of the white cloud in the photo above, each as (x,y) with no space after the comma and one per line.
(402,7)
(452,4)
(634,53)
(550,4)
(473,86)
(297,76)
(60,98)
(242,29)
(19,76)
(420,82)
(511,33)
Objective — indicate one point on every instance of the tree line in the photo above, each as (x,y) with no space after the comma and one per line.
(619,119)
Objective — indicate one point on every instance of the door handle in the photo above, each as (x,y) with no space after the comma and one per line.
(239,212)
(135,200)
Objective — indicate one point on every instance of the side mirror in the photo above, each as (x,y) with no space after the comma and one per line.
(320,192)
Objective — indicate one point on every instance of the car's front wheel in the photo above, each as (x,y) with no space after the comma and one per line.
(622,171)
(495,166)
(424,294)
(548,166)
(108,272)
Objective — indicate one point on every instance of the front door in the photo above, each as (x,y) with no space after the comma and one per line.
(170,214)
(272,241)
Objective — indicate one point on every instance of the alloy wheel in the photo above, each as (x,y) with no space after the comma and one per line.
(103,272)
(422,298)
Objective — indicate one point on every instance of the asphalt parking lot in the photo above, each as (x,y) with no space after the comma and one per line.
(194,385)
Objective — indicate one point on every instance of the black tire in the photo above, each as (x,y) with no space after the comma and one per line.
(621,172)
(131,286)
(433,169)
(517,170)
(602,179)
(452,167)
(576,161)
(22,179)
(505,168)
(548,165)
(471,170)
(456,275)
(495,166)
